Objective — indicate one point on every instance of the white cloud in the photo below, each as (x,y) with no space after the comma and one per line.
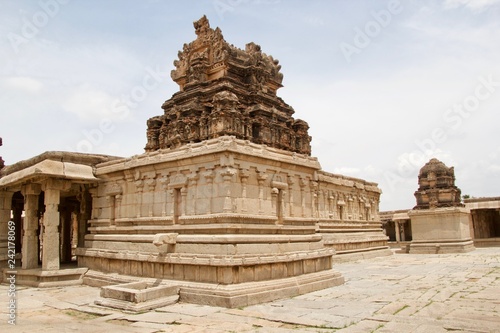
(22,84)
(474,5)
(91,104)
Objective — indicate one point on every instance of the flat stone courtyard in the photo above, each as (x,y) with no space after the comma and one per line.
(400,293)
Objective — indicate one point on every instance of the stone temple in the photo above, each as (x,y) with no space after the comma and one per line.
(440,222)
(225,207)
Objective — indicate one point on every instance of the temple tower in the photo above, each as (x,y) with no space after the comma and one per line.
(440,222)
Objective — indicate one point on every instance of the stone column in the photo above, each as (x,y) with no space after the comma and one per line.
(396,231)
(17,212)
(84,215)
(5,210)
(51,218)
(30,226)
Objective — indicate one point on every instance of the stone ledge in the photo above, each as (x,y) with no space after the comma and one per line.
(48,278)
(212,239)
(209,147)
(245,294)
(224,228)
(137,307)
(207,259)
(439,247)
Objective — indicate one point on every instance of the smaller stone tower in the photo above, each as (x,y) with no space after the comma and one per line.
(440,223)
(437,186)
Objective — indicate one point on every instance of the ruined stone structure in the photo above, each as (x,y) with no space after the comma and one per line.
(440,222)
(226,205)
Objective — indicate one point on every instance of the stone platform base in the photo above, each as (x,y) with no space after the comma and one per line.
(437,247)
(244,294)
(234,295)
(138,296)
(440,230)
(44,279)
(366,254)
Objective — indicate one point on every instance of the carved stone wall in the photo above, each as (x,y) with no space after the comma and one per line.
(226,91)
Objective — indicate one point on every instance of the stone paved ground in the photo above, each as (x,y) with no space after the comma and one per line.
(402,293)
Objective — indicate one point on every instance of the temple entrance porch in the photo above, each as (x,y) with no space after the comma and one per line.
(45,203)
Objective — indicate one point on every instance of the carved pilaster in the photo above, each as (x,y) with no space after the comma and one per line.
(192,193)
(244,174)
(139,185)
(227,175)
(314,199)
(291,182)
(261,178)
(209,190)
(303,183)
(165,194)
(150,183)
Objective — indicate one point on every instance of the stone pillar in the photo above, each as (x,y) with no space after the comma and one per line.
(84,215)
(396,231)
(17,212)
(51,218)
(30,226)
(5,210)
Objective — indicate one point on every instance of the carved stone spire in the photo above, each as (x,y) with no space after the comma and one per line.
(225,90)
(437,186)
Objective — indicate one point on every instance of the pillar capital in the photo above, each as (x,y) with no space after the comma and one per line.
(33,189)
(56,184)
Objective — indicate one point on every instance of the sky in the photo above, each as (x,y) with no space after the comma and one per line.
(384,85)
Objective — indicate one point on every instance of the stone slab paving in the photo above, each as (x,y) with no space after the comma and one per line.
(401,293)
